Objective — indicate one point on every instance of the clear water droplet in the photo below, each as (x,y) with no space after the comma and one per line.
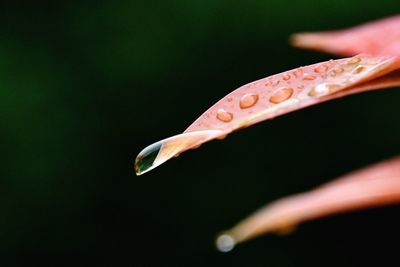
(359,69)
(161,151)
(225,243)
(338,70)
(275,83)
(321,68)
(248,100)
(286,76)
(324,89)
(308,77)
(224,115)
(353,60)
(281,95)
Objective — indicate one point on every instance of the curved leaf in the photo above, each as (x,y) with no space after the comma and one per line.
(274,96)
(381,37)
(373,186)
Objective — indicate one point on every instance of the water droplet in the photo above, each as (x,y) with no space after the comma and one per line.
(144,161)
(321,68)
(225,243)
(338,69)
(359,69)
(248,100)
(281,95)
(163,150)
(353,60)
(224,115)
(229,99)
(324,89)
(275,83)
(308,77)
(286,76)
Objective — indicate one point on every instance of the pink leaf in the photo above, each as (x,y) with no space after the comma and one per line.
(381,37)
(274,96)
(373,186)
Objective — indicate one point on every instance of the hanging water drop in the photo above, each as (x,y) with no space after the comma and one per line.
(225,243)
(145,160)
(161,151)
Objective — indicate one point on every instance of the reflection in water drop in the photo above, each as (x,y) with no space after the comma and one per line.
(225,243)
(161,151)
(144,161)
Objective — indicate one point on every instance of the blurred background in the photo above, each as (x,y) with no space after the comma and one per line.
(85,85)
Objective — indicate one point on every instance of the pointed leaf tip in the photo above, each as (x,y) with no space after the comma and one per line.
(157,153)
(373,186)
(274,96)
(380,37)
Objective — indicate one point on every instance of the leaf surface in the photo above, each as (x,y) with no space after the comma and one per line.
(274,96)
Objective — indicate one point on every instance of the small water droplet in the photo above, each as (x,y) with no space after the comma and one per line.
(224,115)
(353,60)
(359,69)
(338,69)
(286,76)
(324,89)
(281,95)
(229,99)
(308,77)
(275,83)
(225,243)
(248,100)
(321,68)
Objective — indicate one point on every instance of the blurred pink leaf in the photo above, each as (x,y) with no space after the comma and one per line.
(381,37)
(373,186)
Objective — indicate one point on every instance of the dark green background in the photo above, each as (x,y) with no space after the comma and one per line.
(85,85)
